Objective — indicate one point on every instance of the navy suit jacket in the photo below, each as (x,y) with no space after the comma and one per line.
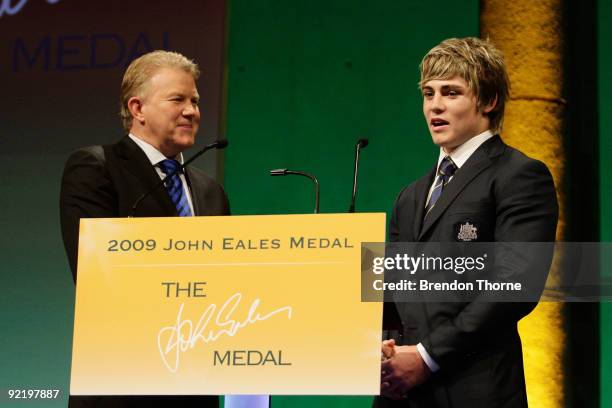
(510,198)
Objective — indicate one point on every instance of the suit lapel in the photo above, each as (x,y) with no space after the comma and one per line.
(480,160)
(137,163)
(421,192)
(197,196)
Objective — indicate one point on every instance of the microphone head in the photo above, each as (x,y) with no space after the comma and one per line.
(221,143)
(278,172)
(361,143)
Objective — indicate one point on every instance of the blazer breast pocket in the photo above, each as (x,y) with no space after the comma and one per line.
(470,222)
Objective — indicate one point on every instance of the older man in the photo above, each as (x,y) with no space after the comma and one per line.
(159,109)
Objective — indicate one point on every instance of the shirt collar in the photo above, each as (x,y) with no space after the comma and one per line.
(154,155)
(462,153)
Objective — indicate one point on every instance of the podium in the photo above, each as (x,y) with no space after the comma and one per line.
(226,305)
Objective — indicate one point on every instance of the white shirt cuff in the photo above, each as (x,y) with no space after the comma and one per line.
(433,366)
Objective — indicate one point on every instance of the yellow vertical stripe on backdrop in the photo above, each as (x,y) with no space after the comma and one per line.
(530,36)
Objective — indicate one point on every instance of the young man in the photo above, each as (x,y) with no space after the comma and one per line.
(159,109)
(466,354)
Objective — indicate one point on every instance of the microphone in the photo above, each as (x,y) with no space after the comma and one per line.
(361,144)
(286,172)
(219,144)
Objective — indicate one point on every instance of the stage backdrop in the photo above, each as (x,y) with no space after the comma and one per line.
(605,171)
(306,80)
(61,64)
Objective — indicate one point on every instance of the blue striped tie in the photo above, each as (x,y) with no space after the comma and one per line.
(174,186)
(445,171)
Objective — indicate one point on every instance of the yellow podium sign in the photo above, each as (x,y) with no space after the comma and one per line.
(225,305)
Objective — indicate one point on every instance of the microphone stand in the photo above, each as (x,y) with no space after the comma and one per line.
(286,172)
(361,143)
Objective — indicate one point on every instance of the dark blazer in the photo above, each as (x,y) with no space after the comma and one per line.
(105,181)
(511,198)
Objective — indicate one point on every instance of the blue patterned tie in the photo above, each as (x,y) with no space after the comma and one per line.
(174,186)
(445,171)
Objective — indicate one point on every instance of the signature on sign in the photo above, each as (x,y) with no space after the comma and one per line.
(212,324)
(7,6)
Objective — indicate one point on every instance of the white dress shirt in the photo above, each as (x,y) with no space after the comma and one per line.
(155,157)
(460,155)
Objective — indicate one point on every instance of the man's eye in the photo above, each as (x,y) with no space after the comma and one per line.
(427,94)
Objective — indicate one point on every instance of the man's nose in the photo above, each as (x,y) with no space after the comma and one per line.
(190,109)
(437,103)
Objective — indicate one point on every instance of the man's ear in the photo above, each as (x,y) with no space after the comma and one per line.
(135,107)
(490,106)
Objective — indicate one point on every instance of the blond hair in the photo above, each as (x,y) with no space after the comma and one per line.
(142,69)
(479,63)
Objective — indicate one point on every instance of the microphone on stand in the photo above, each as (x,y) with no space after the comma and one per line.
(219,144)
(361,143)
(286,172)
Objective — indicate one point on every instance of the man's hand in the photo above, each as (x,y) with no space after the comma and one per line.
(387,349)
(402,371)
